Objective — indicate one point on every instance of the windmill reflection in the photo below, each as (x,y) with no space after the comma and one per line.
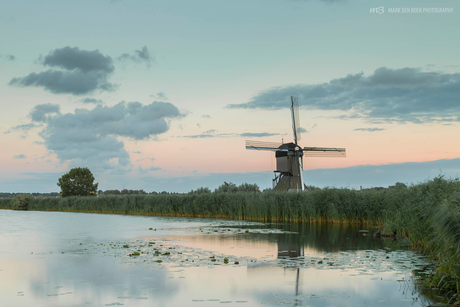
(291,246)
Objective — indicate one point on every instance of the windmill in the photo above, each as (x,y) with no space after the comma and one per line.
(289,166)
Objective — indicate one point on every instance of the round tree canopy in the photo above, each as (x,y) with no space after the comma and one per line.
(78,181)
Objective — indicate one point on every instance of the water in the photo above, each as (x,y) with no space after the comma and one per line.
(78,259)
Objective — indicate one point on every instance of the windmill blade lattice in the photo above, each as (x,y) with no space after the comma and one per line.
(324,152)
(259,145)
(295,119)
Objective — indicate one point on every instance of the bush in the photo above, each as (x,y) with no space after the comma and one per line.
(21,202)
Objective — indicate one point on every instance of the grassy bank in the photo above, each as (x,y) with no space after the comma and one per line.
(428,214)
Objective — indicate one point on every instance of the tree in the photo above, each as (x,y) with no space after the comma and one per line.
(78,181)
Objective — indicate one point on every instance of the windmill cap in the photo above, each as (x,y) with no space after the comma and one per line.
(290,146)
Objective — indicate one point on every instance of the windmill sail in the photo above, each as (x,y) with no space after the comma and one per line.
(324,152)
(295,119)
(258,145)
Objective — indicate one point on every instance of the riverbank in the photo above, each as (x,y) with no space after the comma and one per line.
(427,214)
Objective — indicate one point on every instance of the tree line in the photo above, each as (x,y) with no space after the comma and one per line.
(80,182)
(11,195)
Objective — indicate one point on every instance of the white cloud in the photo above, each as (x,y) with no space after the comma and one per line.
(89,137)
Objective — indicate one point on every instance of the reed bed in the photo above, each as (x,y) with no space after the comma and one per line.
(429,215)
(326,205)
(5,203)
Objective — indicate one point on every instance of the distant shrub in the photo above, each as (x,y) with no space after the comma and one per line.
(200,191)
(226,188)
(21,202)
(247,187)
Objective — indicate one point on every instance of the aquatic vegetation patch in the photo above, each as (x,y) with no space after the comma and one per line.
(174,253)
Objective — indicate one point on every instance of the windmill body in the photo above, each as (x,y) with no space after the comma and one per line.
(289,156)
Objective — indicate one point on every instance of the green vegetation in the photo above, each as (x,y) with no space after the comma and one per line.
(429,216)
(228,188)
(21,202)
(122,192)
(78,181)
(11,195)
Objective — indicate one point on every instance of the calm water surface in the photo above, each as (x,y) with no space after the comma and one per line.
(78,259)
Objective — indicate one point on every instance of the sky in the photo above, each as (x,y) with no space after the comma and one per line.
(161,95)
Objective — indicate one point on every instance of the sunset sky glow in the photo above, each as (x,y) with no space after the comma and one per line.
(161,95)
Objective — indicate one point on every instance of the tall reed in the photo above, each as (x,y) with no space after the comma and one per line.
(5,203)
(429,215)
(326,205)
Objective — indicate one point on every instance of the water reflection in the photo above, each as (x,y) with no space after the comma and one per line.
(79,260)
(328,238)
(286,240)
